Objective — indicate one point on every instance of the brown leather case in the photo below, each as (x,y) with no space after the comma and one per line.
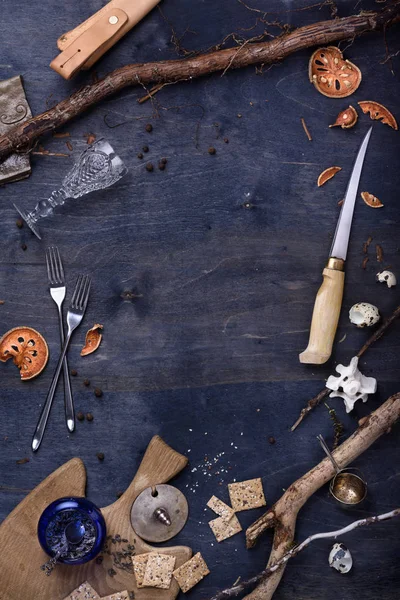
(83,46)
(14,109)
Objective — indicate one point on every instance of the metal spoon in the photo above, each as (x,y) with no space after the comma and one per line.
(73,535)
(346,487)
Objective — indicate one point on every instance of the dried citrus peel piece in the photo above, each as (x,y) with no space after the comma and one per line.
(346,119)
(371,200)
(331,74)
(327,174)
(92,340)
(28,349)
(378,112)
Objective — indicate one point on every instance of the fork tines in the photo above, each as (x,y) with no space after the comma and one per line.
(55,271)
(81,293)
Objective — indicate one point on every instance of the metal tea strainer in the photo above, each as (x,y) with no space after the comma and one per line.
(348,485)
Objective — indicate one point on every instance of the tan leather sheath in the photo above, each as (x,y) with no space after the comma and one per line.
(83,46)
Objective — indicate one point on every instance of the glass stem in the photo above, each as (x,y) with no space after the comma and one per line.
(44,208)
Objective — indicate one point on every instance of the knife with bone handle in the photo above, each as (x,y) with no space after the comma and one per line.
(328,302)
(84,45)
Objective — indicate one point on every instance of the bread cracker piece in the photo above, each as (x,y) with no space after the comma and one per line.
(139,567)
(83,592)
(219,507)
(118,596)
(158,572)
(190,573)
(246,495)
(225,529)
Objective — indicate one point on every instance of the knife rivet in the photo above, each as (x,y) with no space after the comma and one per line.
(113,20)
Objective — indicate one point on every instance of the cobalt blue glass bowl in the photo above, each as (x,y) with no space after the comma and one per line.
(58,515)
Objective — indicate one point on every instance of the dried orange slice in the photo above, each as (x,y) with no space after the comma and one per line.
(92,340)
(332,75)
(346,119)
(371,200)
(28,349)
(327,174)
(378,112)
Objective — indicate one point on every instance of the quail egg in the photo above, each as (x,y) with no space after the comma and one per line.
(386,277)
(364,314)
(340,558)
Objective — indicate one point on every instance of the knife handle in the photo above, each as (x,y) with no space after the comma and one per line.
(326,314)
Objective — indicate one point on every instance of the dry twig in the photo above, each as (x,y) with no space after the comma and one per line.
(311,404)
(282,515)
(23,136)
(238,588)
(308,134)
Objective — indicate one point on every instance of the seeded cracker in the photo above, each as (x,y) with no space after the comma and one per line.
(189,574)
(225,529)
(158,572)
(139,567)
(246,495)
(83,592)
(118,596)
(219,507)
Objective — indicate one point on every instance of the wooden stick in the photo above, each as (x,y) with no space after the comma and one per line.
(21,138)
(306,131)
(311,404)
(283,514)
(242,586)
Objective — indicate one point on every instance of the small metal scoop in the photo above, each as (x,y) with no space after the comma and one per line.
(348,485)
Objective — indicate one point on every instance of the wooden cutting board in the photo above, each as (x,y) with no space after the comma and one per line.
(21,555)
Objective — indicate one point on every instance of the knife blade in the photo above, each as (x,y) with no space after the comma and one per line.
(328,301)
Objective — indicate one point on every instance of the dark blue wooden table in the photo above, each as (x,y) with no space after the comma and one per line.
(204,276)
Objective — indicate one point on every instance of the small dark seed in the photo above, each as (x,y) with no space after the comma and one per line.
(226,140)
(86,382)
(24,247)
(271,440)
(140,155)
(149,167)
(163,161)
(161,166)
(145,148)
(80,416)
(89,417)
(74,372)
(99,560)
(98,392)
(149,127)
(19,223)
(211,150)
(100,455)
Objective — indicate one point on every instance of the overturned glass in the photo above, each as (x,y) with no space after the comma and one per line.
(97,168)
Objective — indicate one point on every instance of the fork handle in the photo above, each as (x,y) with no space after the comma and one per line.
(68,400)
(44,415)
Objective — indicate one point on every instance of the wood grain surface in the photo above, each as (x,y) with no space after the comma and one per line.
(21,555)
(204,277)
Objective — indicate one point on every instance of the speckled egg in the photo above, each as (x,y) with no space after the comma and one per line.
(364,314)
(340,558)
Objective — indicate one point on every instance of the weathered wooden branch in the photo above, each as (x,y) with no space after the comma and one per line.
(378,333)
(283,514)
(242,586)
(23,136)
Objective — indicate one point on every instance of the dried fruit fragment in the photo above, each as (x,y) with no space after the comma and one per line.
(92,340)
(28,348)
(378,112)
(371,200)
(346,119)
(327,174)
(332,75)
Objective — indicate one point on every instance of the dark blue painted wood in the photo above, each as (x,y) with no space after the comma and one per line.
(206,355)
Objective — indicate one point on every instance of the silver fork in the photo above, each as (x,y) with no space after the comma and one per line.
(55,273)
(74,317)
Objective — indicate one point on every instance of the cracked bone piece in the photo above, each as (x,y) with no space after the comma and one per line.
(351,384)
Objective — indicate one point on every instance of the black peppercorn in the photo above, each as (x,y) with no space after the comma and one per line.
(74,372)
(19,223)
(86,382)
(140,155)
(163,161)
(226,140)
(24,247)
(149,167)
(100,456)
(211,150)
(145,148)
(80,416)
(271,440)
(149,127)
(161,166)
(89,417)
(98,393)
